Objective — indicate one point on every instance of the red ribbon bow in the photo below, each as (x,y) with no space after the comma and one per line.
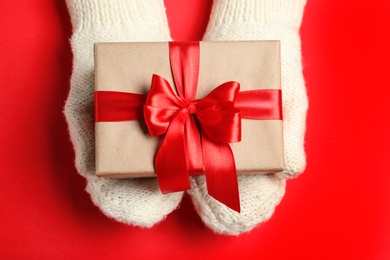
(185,150)
(182,151)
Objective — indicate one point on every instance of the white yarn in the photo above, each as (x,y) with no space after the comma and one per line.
(139,201)
(132,201)
(260,194)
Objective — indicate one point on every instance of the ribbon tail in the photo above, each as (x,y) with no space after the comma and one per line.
(193,148)
(171,161)
(220,170)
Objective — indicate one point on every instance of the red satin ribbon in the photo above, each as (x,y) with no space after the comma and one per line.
(184,151)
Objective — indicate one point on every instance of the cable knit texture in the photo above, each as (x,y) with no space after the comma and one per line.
(236,20)
(132,201)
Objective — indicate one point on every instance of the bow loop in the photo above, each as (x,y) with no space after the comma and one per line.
(161,106)
(224,92)
(220,120)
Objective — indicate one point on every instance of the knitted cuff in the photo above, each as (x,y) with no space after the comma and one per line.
(97,13)
(283,12)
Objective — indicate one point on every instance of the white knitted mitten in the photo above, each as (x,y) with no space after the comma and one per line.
(235,20)
(132,201)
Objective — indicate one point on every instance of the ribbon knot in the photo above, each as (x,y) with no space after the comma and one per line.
(192,108)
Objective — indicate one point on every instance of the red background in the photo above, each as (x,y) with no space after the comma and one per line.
(338,209)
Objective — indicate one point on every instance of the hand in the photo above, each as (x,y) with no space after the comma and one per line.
(235,20)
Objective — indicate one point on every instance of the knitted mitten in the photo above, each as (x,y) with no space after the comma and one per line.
(132,201)
(235,20)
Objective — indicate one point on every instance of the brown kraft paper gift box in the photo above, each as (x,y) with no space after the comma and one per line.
(126,150)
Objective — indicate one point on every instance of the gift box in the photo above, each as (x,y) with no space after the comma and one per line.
(131,145)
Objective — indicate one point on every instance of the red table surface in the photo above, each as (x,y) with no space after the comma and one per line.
(338,209)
